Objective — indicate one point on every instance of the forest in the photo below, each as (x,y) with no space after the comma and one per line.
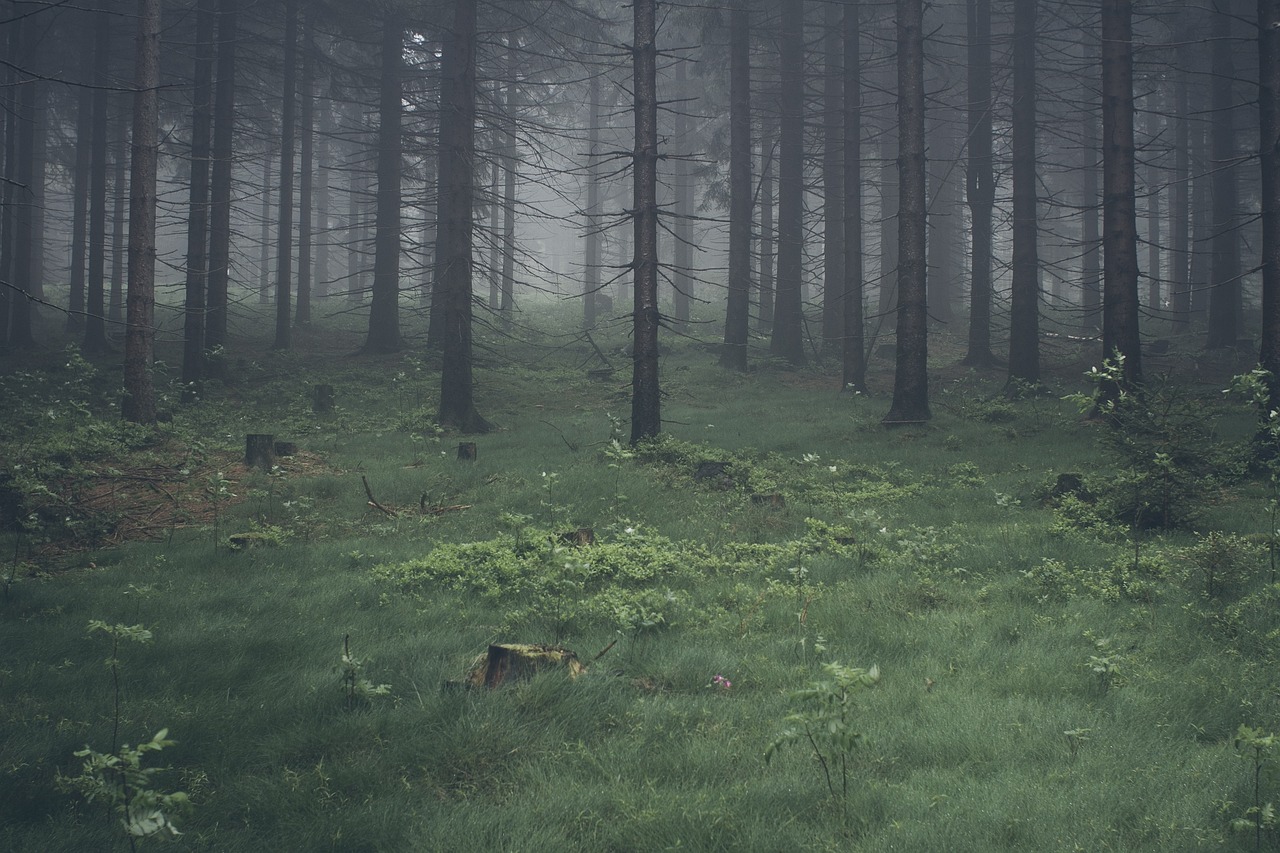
(567,425)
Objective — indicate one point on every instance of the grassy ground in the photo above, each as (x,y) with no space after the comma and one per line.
(1037,691)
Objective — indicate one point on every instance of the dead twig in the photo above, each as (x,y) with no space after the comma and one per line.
(373,502)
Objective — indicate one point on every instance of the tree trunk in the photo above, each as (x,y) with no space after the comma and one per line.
(833,189)
(95,325)
(1154,304)
(384,309)
(646,402)
(738,307)
(264,258)
(1269,149)
(682,225)
(1224,291)
(20,334)
(139,395)
(911,377)
(119,221)
(509,165)
(854,373)
(1024,321)
(980,190)
(215,333)
(591,249)
(788,319)
(306,116)
(768,282)
(79,174)
(1179,214)
(198,221)
(1120,230)
(284,198)
(455,219)
(321,229)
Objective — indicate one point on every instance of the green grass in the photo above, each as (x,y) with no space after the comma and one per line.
(924,552)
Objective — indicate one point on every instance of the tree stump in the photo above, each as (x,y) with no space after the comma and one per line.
(285,448)
(519,661)
(467,451)
(580,538)
(770,501)
(258,450)
(322,399)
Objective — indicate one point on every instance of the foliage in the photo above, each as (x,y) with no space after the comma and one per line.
(823,719)
(1259,750)
(1224,561)
(355,685)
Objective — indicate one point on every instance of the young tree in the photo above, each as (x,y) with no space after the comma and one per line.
(738,307)
(646,402)
(139,400)
(911,378)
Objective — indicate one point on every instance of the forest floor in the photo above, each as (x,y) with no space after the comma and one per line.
(817,633)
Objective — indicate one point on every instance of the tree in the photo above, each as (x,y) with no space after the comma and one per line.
(198,218)
(911,378)
(1269,151)
(1224,295)
(738,307)
(854,372)
(980,192)
(833,188)
(682,224)
(139,401)
(1119,218)
(284,203)
(1024,327)
(591,250)
(220,181)
(646,403)
(455,219)
(384,312)
(788,318)
(307,121)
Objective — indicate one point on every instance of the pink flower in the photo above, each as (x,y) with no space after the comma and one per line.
(721,682)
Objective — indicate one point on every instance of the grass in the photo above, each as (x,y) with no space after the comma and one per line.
(924,551)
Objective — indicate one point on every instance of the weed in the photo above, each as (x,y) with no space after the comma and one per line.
(1258,749)
(355,686)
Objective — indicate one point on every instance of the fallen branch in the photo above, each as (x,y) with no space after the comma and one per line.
(373,502)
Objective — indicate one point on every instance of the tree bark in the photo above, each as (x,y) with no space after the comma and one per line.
(591,249)
(788,318)
(506,303)
(854,373)
(139,401)
(306,116)
(119,215)
(1179,214)
(768,235)
(833,189)
(1120,230)
(95,323)
(682,225)
(80,171)
(384,309)
(980,183)
(911,377)
(1269,149)
(220,184)
(738,307)
(1224,292)
(646,403)
(198,218)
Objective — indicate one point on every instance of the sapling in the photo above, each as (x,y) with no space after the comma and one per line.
(1257,748)
(354,683)
(823,719)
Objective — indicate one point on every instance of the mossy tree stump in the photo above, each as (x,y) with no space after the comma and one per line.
(467,451)
(519,661)
(259,451)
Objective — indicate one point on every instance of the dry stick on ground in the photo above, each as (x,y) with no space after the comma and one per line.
(373,502)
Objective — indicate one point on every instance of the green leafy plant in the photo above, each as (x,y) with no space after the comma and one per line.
(1224,561)
(1107,665)
(357,688)
(1258,749)
(823,720)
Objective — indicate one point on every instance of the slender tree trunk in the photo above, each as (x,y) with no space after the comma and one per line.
(284,198)
(1269,149)
(497,137)
(646,403)
(302,311)
(23,125)
(215,333)
(1024,325)
(788,320)
(95,324)
(854,372)
(1154,303)
(79,174)
(911,377)
(768,282)
(1090,237)
(887,298)
(509,166)
(456,219)
(39,169)
(1224,293)
(682,226)
(384,310)
(1120,229)
(591,248)
(139,400)
(322,230)
(1179,215)
(356,189)
(833,189)
(120,196)
(264,258)
(198,220)
(1202,228)
(738,308)
(980,183)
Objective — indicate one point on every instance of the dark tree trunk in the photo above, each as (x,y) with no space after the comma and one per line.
(79,174)
(911,376)
(95,321)
(306,117)
(264,258)
(139,340)
(854,372)
(788,318)
(1090,237)
(1120,230)
(738,307)
(682,226)
(39,169)
(23,126)
(1152,174)
(980,190)
(1224,291)
(591,249)
(321,231)
(455,219)
(119,220)
(646,402)
(1269,148)
(1024,321)
(1202,228)
(284,198)
(215,333)
(1179,214)
(198,222)
(833,166)
(768,282)
(509,164)
(384,310)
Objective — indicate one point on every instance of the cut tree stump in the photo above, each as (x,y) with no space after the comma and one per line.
(580,538)
(285,448)
(259,450)
(467,451)
(520,661)
(322,399)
